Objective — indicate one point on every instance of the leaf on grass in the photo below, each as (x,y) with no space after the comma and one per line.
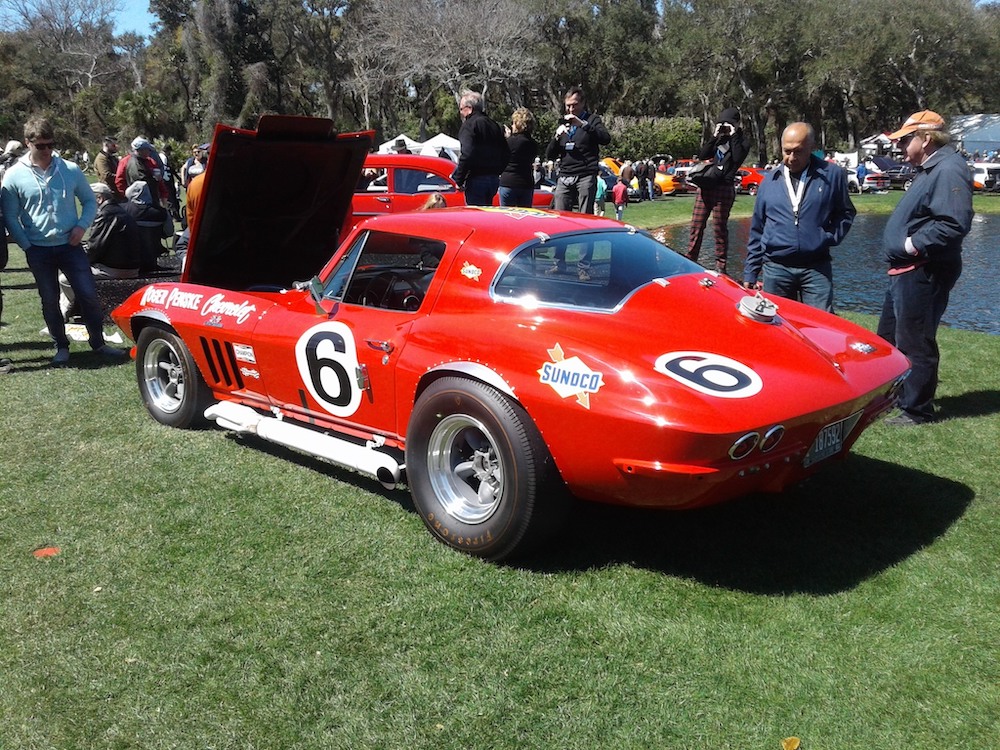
(46,552)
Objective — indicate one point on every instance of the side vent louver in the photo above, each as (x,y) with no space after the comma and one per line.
(222,362)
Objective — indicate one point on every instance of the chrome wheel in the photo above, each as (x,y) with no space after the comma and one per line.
(163,376)
(465,469)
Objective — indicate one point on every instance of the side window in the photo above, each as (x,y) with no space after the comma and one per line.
(393,272)
(372,181)
(413,181)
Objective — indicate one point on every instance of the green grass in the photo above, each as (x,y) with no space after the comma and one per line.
(212,592)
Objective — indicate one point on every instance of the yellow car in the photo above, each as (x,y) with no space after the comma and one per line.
(663,183)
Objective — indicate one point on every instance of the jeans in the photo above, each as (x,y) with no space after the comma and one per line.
(480,190)
(522,197)
(913,307)
(45,264)
(811,286)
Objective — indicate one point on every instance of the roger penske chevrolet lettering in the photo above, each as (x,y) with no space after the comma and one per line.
(460,353)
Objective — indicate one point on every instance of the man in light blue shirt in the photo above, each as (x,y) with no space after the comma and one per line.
(39,199)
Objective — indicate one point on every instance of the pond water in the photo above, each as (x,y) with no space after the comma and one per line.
(859,274)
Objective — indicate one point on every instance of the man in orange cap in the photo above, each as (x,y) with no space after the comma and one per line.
(923,247)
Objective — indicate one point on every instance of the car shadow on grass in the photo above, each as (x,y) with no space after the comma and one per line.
(823,537)
(826,536)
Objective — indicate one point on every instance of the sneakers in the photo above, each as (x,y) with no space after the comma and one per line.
(61,358)
(111,353)
(902,420)
(5,366)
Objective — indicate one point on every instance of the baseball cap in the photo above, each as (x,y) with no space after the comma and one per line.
(101,188)
(141,143)
(12,146)
(925,119)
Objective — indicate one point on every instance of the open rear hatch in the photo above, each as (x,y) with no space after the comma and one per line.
(273,202)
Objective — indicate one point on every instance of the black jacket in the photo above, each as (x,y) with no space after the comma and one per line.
(735,148)
(580,158)
(114,238)
(484,148)
(519,173)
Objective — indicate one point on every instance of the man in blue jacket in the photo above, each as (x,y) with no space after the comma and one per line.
(802,210)
(923,247)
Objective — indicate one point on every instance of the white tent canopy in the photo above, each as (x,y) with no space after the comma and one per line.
(441,145)
(412,145)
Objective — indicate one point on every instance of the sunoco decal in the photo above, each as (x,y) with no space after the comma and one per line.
(711,374)
(570,377)
(471,272)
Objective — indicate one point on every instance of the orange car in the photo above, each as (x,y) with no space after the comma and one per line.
(663,183)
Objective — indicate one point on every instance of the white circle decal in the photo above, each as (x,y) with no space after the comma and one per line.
(711,374)
(328,365)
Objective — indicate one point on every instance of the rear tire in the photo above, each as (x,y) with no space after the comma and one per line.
(480,474)
(172,388)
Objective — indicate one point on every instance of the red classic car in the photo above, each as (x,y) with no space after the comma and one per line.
(392,183)
(749,179)
(460,349)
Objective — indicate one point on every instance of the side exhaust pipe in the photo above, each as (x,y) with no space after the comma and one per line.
(363,459)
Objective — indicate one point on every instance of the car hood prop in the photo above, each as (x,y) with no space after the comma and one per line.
(363,459)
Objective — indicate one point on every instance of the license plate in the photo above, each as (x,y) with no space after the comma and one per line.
(830,440)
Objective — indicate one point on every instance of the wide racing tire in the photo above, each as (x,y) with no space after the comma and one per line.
(172,388)
(479,472)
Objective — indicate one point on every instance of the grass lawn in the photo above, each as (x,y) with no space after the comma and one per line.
(214,592)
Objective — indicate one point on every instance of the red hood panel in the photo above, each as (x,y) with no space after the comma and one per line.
(273,202)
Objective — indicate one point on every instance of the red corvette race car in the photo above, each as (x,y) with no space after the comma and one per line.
(462,350)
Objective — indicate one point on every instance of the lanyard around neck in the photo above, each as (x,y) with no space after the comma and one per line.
(795,194)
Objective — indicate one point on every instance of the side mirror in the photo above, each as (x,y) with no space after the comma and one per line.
(323,306)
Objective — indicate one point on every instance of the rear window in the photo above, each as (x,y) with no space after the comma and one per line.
(595,270)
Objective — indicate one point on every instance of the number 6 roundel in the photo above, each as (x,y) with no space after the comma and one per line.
(711,374)
(328,364)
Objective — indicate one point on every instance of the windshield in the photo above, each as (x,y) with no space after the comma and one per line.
(597,270)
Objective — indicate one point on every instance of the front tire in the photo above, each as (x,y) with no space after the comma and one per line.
(479,472)
(172,388)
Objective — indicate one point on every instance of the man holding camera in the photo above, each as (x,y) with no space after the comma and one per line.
(576,144)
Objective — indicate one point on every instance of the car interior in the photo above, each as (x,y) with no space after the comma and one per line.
(385,270)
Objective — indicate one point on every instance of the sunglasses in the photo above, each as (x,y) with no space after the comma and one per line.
(43,146)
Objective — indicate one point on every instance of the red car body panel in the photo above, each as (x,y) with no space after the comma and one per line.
(641,394)
(750,179)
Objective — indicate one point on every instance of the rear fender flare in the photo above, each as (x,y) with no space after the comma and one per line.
(474,370)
